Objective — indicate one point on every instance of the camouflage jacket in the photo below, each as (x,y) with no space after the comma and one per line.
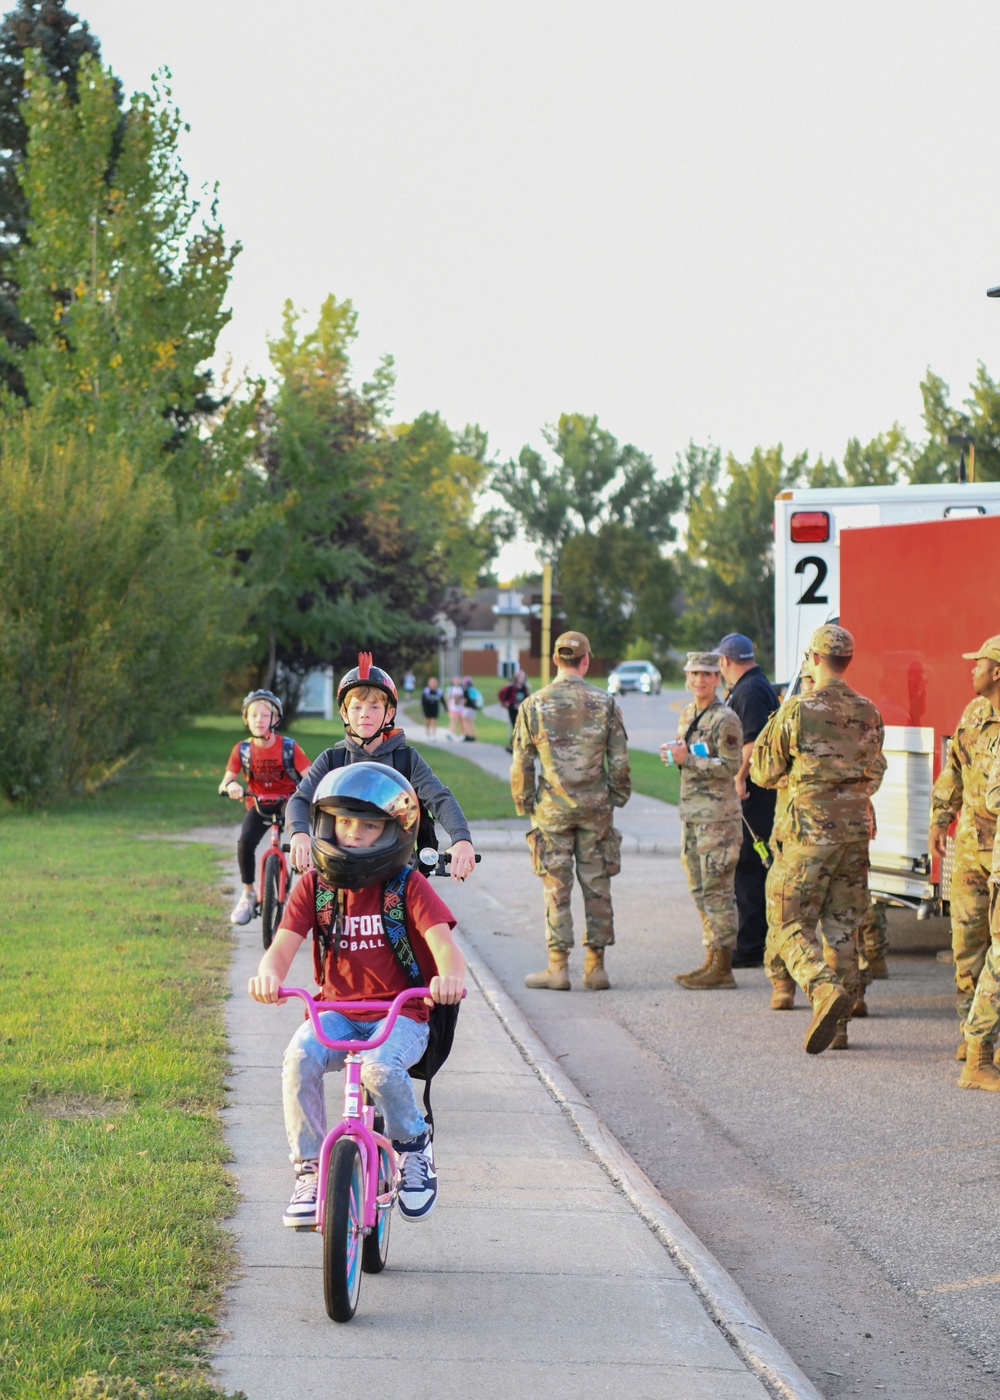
(960,789)
(993,805)
(829,744)
(708,793)
(576,733)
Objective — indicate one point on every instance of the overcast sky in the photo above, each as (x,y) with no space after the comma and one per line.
(744,222)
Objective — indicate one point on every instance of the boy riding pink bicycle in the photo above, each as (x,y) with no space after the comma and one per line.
(378,930)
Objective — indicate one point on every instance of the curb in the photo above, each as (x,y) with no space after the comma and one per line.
(724,1300)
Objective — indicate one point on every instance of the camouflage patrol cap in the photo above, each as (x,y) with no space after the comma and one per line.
(831,640)
(702,661)
(990,649)
(570,646)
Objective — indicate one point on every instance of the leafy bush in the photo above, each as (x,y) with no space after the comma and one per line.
(109,608)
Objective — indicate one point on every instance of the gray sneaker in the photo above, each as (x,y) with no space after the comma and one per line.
(417,1183)
(243,912)
(300,1213)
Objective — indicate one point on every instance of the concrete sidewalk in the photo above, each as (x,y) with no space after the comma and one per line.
(550,1267)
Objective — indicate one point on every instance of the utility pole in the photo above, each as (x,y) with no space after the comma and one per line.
(546,622)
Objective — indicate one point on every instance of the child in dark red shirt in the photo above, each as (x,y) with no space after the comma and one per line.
(271,766)
(363,822)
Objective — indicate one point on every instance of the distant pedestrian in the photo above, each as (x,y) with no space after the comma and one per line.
(512,696)
(575,733)
(430,702)
(455,700)
(409,682)
(472,701)
(751,695)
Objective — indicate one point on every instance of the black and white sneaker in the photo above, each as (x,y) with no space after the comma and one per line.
(416,1184)
(300,1213)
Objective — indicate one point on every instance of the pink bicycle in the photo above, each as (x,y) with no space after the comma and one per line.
(357,1165)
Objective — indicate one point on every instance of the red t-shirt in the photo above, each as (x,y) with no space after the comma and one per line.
(268,779)
(366,967)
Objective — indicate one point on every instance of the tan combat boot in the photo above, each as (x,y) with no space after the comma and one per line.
(782,994)
(594,976)
(697,971)
(839,1041)
(555,978)
(830,1004)
(718,973)
(879,969)
(979,1071)
(961,1049)
(860,1006)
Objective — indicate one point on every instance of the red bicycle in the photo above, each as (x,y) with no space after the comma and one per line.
(274,874)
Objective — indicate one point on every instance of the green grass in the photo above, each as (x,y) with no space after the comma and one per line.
(114,964)
(652,777)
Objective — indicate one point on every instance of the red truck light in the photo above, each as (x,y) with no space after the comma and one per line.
(810,527)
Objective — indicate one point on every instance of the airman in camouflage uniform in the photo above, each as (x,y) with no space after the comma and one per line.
(709,809)
(979,1070)
(829,746)
(577,735)
(960,790)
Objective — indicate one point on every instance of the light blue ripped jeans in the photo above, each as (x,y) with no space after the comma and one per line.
(383,1074)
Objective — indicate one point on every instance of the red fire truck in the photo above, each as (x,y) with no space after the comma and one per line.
(916,596)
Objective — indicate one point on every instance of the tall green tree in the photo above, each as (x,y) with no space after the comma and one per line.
(122,284)
(355,531)
(593,481)
(978,416)
(728,565)
(602,516)
(59,40)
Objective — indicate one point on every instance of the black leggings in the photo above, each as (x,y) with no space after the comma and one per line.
(254,827)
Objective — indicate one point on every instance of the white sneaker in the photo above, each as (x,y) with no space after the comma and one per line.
(243,912)
(416,1183)
(301,1209)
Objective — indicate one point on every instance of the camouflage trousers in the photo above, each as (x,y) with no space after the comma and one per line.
(806,885)
(710,852)
(871,935)
(984,1013)
(969,898)
(594,850)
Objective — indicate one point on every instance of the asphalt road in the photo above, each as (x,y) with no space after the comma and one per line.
(854,1197)
(650,719)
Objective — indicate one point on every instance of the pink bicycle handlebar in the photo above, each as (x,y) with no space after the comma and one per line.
(392,1010)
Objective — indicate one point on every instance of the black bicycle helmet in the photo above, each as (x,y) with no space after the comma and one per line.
(364,673)
(363,789)
(271,699)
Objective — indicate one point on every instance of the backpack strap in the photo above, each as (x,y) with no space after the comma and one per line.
(288,759)
(394,924)
(693,726)
(324,943)
(245,758)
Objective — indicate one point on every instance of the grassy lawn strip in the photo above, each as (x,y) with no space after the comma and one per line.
(114,965)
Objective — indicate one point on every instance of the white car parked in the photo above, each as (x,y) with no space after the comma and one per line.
(635,675)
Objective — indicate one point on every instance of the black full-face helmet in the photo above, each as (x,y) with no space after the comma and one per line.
(363,790)
(271,699)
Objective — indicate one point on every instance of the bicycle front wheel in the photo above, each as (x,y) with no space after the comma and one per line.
(270,905)
(375,1250)
(343,1230)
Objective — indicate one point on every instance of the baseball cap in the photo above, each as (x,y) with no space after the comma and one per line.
(831,640)
(990,649)
(735,647)
(570,646)
(702,661)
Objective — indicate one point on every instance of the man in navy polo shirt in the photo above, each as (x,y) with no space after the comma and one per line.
(750,694)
